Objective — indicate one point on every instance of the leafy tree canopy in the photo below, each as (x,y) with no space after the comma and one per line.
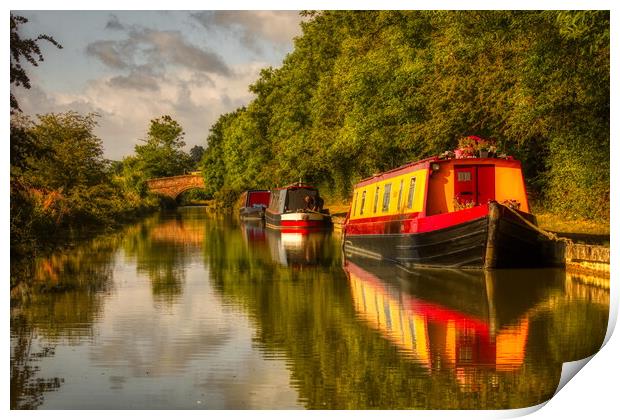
(366,91)
(24,49)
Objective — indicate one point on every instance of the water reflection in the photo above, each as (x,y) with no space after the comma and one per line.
(487,335)
(300,249)
(60,300)
(183,311)
(162,247)
(27,389)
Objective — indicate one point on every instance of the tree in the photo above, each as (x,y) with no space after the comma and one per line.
(160,156)
(212,165)
(367,91)
(162,153)
(196,153)
(74,154)
(27,49)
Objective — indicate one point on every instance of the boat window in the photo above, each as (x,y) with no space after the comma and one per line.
(411,193)
(386,197)
(363,202)
(273,203)
(374,210)
(400,193)
(295,199)
(464,176)
(354,204)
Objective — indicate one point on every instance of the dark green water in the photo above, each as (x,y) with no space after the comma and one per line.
(185,311)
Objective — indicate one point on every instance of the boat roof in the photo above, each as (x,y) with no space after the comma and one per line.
(424,164)
(420,164)
(296,187)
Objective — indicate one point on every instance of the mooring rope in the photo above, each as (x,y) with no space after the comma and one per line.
(549,235)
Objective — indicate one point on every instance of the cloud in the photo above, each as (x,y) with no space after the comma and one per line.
(126,104)
(153,72)
(275,26)
(156,49)
(136,80)
(111,53)
(114,23)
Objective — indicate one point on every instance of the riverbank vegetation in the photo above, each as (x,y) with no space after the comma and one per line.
(364,92)
(62,187)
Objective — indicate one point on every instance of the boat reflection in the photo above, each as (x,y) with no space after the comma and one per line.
(468,323)
(253,232)
(296,249)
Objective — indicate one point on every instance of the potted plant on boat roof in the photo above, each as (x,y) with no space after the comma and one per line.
(474,146)
(486,148)
(467,147)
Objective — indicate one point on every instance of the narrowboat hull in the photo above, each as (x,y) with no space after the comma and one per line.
(494,237)
(298,221)
(252,213)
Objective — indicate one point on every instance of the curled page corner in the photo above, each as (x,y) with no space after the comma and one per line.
(570,369)
(519,412)
(613,315)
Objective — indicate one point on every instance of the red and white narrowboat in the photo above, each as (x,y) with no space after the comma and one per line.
(296,208)
(468,212)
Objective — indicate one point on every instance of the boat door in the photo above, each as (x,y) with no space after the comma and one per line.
(485,183)
(474,185)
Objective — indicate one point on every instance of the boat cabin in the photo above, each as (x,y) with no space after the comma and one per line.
(253,204)
(291,199)
(256,198)
(296,208)
(434,186)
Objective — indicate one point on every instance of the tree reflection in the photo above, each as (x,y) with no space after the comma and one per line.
(26,388)
(57,298)
(62,294)
(409,340)
(162,246)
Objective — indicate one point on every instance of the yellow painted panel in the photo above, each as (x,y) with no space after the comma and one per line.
(381,318)
(397,330)
(408,339)
(509,186)
(441,190)
(418,199)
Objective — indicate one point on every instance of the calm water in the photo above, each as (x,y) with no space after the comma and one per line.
(185,311)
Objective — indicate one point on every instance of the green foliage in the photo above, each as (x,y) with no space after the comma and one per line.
(196,153)
(60,183)
(24,49)
(367,91)
(159,156)
(71,145)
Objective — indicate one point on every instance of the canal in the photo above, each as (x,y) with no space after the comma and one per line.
(186,311)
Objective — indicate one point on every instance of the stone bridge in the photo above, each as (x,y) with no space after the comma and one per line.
(173,186)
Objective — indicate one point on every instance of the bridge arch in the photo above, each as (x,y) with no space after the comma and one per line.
(173,186)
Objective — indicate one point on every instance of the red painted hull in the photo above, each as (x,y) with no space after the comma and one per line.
(297,222)
(412,223)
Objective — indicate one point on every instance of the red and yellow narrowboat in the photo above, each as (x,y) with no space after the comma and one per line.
(297,208)
(468,212)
